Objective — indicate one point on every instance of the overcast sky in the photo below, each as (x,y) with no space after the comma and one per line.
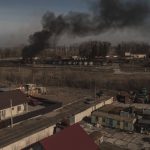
(20,18)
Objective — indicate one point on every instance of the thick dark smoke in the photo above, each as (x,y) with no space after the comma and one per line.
(38,41)
(105,15)
(121,13)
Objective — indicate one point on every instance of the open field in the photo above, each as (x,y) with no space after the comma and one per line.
(85,78)
(68,95)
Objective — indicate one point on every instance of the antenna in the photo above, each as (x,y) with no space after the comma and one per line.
(95,94)
(11,113)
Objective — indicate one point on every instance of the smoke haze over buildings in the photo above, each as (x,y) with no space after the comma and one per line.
(105,18)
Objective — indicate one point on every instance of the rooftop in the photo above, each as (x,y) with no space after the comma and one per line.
(16,96)
(71,138)
(111,109)
(26,128)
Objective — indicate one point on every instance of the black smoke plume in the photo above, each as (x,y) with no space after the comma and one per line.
(104,15)
(121,13)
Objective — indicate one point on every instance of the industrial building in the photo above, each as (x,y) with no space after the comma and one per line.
(114,117)
(12,103)
(34,107)
(123,97)
(130,55)
(144,125)
(114,121)
(142,96)
(143,122)
(34,130)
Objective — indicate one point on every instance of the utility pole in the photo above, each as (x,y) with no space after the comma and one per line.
(95,92)
(95,95)
(11,114)
(32,74)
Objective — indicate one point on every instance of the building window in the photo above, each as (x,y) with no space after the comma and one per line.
(96,118)
(3,112)
(118,123)
(126,124)
(103,120)
(19,108)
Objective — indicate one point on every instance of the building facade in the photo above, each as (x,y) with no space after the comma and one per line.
(129,55)
(121,121)
(12,103)
(13,111)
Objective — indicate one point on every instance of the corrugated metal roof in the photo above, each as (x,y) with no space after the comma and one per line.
(16,96)
(111,109)
(71,138)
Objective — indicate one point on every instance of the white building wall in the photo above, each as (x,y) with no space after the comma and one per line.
(140,56)
(30,139)
(14,111)
(109,101)
(87,112)
(100,105)
(127,54)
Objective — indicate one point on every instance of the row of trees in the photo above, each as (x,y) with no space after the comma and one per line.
(10,52)
(90,50)
(132,47)
(94,49)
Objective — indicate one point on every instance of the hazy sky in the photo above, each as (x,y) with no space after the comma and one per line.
(20,18)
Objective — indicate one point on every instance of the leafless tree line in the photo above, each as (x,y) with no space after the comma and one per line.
(133,47)
(89,49)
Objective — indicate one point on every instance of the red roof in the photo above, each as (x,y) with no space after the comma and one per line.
(71,138)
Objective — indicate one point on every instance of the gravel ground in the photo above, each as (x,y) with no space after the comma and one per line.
(134,141)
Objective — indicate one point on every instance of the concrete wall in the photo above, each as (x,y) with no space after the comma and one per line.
(30,139)
(14,111)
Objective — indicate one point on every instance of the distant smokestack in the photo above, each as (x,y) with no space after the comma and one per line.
(105,14)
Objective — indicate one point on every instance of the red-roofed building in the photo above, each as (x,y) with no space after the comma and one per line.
(71,138)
